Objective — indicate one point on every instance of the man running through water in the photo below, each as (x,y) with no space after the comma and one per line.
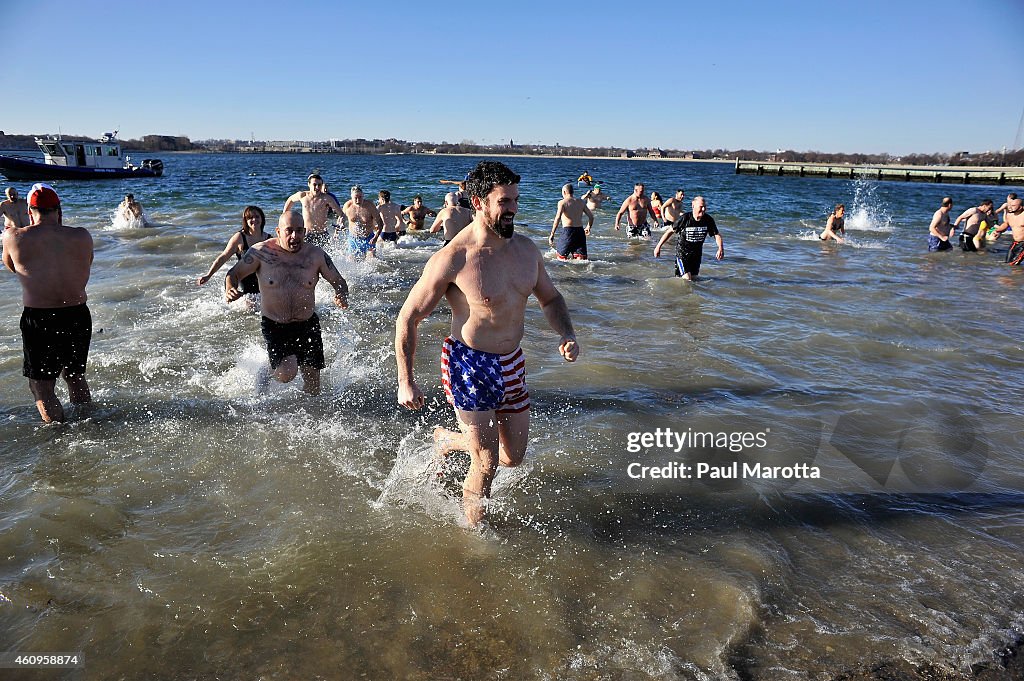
(693,229)
(364,224)
(288,270)
(572,242)
(315,204)
(487,274)
(390,216)
(418,213)
(638,206)
(971,237)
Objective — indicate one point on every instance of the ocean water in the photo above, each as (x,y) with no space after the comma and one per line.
(185,527)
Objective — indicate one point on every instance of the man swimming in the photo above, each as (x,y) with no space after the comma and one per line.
(288,270)
(487,274)
(572,242)
(638,206)
(315,205)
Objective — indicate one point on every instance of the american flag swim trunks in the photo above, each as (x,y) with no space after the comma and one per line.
(483,381)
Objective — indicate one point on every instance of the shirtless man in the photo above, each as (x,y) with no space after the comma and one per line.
(487,274)
(315,204)
(572,242)
(939,231)
(1006,204)
(390,217)
(288,270)
(594,197)
(418,213)
(971,237)
(364,224)
(835,226)
(1015,221)
(52,263)
(14,209)
(639,206)
(673,209)
(453,218)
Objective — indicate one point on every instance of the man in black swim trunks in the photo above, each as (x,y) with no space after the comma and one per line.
(693,228)
(288,270)
(638,206)
(53,264)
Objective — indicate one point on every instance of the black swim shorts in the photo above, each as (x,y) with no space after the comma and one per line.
(301,339)
(688,261)
(55,340)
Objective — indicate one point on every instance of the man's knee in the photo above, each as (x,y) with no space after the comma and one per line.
(287,369)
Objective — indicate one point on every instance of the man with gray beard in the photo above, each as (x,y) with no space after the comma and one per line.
(487,274)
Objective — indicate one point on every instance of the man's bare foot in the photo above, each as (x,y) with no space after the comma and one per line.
(445,442)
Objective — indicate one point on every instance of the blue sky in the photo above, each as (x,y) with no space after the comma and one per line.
(871,76)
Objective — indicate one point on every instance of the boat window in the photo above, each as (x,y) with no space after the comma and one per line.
(51,149)
(69,149)
(112,151)
(96,151)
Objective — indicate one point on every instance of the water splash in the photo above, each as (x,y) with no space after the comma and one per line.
(867,211)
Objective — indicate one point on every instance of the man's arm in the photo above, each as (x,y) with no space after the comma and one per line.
(721,247)
(333,277)
(935,223)
(590,216)
(292,200)
(558,217)
(438,223)
(249,263)
(662,241)
(423,298)
(963,216)
(556,312)
(8,242)
(618,216)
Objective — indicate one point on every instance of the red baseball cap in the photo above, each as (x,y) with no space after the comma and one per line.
(43,196)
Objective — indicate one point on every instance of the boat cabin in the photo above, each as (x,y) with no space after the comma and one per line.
(103,154)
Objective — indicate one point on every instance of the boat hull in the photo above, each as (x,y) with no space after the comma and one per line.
(17,169)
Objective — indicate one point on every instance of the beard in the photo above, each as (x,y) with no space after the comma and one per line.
(504,227)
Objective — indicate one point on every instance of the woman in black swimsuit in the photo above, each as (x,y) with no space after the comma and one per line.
(251,233)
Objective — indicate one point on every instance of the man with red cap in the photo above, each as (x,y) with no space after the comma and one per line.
(52,262)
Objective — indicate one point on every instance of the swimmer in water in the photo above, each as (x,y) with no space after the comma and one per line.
(835,227)
(316,203)
(418,213)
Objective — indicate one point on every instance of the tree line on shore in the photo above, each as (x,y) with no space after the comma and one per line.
(156,143)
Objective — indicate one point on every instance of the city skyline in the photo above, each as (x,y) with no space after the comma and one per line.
(872,78)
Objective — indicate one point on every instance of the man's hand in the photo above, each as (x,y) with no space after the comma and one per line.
(231,294)
(410,396)
(341,300)
(569,349)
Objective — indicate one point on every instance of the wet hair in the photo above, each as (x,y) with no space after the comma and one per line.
(384,194)
(986,202)
(947,201)
(130,197)
(681,191)
(251,211)
(418,198)
(1011,196)
(356,188)
(839,207)
(487,175)
(11,193)
(655,195)
(567,188)
(314,176)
